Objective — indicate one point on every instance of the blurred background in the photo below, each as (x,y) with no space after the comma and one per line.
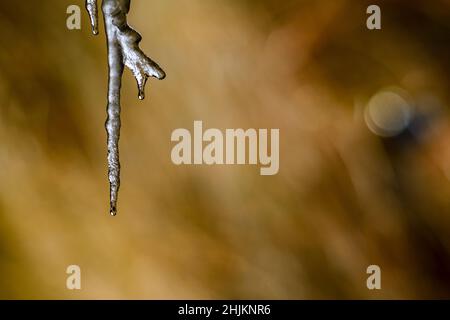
(364,161)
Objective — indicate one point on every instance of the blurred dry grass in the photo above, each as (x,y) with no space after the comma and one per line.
(344,198)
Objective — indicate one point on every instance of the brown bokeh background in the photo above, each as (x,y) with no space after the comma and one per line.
(345,197)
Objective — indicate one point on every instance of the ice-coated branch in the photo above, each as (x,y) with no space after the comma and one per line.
(123,50)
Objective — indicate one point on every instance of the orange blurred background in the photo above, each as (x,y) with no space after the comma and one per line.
(364,160)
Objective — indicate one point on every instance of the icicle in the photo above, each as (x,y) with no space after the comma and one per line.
(91,7)
(123,50)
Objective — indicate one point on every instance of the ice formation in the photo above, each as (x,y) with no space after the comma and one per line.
(123,50)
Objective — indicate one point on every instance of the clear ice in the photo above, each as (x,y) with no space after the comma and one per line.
(123,50)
